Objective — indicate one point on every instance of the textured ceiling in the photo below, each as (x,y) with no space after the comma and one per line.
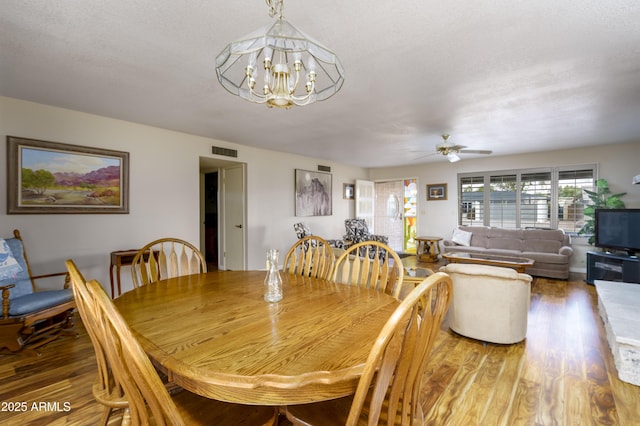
(508,76)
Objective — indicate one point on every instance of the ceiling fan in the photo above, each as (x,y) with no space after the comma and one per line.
(451,151)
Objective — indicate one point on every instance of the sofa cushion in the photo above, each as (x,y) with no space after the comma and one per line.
(545,257)
(461,237)
(479,235)
(548,241)
(38,301)
(506,239)
(510,244)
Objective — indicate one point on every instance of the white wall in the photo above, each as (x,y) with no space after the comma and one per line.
(165,186)
(616,163)
(164,191)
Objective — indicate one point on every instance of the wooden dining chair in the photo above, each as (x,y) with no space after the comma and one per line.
(149,401)
(389,389)
(310,256)
(172,257)
(106,390)
(370,264)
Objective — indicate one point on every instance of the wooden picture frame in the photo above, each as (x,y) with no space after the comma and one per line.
(313,193)
(348,191)
(51,177)
(437,192)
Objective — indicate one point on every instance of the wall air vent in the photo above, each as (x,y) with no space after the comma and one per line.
(224,151)
(324,168)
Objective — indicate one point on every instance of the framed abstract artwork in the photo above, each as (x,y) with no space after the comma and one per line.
(51,177)
(313,193)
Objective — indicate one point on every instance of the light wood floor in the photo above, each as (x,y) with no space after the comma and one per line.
(562,374)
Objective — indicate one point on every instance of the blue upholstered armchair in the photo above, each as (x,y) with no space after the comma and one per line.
(29,317)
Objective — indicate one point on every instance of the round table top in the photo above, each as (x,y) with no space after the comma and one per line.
(215,335)
(428,238)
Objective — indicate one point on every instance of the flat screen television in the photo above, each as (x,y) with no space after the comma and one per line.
(618,229)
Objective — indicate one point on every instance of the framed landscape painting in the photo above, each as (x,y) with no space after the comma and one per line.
(51,177)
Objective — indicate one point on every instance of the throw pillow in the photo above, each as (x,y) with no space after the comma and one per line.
(9,266)
(461,237)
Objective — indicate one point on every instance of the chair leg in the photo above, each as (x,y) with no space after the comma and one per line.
(106,413)
(126,417)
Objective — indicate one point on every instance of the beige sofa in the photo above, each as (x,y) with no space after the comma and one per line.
(550,249)
(489,303)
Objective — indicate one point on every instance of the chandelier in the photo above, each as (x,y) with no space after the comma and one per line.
(280,57)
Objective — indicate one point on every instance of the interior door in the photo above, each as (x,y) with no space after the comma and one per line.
(366,202)
(234,218)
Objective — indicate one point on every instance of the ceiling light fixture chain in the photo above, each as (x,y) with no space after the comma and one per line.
(282,57)
(276,8)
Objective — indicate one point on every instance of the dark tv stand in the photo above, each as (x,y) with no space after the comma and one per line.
(612,267)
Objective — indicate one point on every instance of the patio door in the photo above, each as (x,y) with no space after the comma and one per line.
(365,202)
(388,212)
(389,208)
(395,213)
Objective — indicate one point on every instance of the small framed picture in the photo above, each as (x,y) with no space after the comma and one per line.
(348,190)
(437,191)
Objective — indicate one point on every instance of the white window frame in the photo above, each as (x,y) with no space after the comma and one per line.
(486,177)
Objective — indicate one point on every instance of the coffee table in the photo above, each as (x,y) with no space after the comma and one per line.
(520,264)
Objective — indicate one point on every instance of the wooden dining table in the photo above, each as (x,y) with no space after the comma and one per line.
(214,335)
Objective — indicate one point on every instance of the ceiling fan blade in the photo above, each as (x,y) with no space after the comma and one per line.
(424,155)
(452,157)
(476,151)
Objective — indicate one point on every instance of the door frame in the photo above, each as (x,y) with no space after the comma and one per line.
(367,208)
(209,165)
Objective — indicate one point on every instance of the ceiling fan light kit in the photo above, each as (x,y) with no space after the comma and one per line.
(453,157)
(451,151)
(280,56)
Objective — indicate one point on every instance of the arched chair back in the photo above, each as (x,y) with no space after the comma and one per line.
(107,391)
(389,390)
(492,303)
(166,258)
(310,256)
(149,400)
(370,264)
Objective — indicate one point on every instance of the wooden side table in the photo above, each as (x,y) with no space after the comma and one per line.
(427,249)
(118,259)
